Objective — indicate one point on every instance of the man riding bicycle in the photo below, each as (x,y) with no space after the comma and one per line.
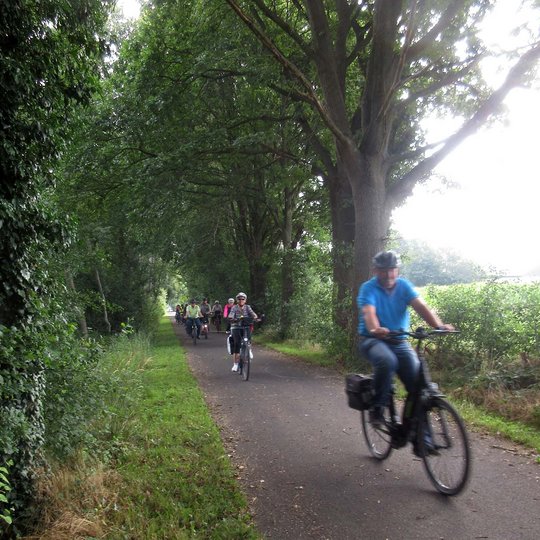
(383,303)
(216,314)
(193,316)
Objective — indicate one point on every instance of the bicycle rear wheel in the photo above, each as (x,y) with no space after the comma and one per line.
(246,362)
(378,439)
(444,446)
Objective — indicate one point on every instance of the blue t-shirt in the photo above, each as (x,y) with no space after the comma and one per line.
(390,306)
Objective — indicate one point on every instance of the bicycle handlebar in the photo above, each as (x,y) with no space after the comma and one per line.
(422,333)
(244,321)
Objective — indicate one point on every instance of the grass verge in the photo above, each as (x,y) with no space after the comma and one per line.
(311,353)
(514,431)
(155,468)
(176,479)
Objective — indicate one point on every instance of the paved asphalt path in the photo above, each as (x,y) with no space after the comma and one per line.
(304,467)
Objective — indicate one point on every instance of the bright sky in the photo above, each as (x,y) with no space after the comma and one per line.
(130,8)
(491,217)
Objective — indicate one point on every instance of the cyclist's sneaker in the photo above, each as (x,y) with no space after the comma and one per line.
(235,367)
(429,448)
(376,416)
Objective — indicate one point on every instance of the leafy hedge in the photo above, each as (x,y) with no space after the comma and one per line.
(499,323)
(49,60)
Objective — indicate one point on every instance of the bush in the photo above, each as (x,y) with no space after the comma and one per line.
(499,322)
(83,392)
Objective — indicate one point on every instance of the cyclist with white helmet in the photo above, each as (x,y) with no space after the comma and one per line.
(236,313)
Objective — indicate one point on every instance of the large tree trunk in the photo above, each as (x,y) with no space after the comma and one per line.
(367,176)
(343,230)
(372,223)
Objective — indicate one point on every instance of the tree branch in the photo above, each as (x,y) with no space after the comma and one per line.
(274,17)
(450,78)
(291,68)
(403,188)
(416,49)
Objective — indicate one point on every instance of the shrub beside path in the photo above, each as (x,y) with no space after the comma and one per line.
(306,472)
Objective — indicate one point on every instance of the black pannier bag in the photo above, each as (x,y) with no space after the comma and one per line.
(359,389)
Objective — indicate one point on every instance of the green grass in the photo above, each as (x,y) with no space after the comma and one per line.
(311,353)
(514,431)
(177,481)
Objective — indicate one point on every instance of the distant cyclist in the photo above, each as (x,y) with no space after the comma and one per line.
(217,311)
(193,317)
(241,309)
(205,307)
(178,313)
(205,311)
(226,310)
(383,303)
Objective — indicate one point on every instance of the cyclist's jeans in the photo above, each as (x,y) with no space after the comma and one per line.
(387,359)
(189,325)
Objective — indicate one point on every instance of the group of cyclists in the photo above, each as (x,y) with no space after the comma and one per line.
(383,303)
(193,314)
(235,311)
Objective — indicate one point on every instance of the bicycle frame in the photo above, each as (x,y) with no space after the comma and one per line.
(402,427)
(245,350)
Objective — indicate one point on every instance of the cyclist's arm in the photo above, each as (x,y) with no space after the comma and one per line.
(373,326)
(428,315)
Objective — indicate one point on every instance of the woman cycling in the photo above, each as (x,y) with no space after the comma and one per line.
(238,311)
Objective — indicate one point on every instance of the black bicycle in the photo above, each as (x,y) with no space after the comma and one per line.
(246,354)
(193,333)
(428,421)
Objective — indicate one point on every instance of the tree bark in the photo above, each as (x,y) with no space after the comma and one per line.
(343,230)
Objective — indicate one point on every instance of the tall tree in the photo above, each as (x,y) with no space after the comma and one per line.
(379,68)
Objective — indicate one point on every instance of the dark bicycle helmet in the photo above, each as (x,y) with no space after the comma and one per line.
(386,259)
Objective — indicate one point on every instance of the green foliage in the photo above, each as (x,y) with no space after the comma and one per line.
(89,393)
(50,53)
(5,488)
(499,324)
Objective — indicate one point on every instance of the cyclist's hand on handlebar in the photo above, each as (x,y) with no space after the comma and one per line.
(379,332)
(446,328)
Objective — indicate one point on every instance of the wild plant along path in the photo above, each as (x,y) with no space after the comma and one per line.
(307,473)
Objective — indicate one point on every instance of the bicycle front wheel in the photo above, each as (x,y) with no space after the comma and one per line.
(246,361)
(444,446)
(378,438)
